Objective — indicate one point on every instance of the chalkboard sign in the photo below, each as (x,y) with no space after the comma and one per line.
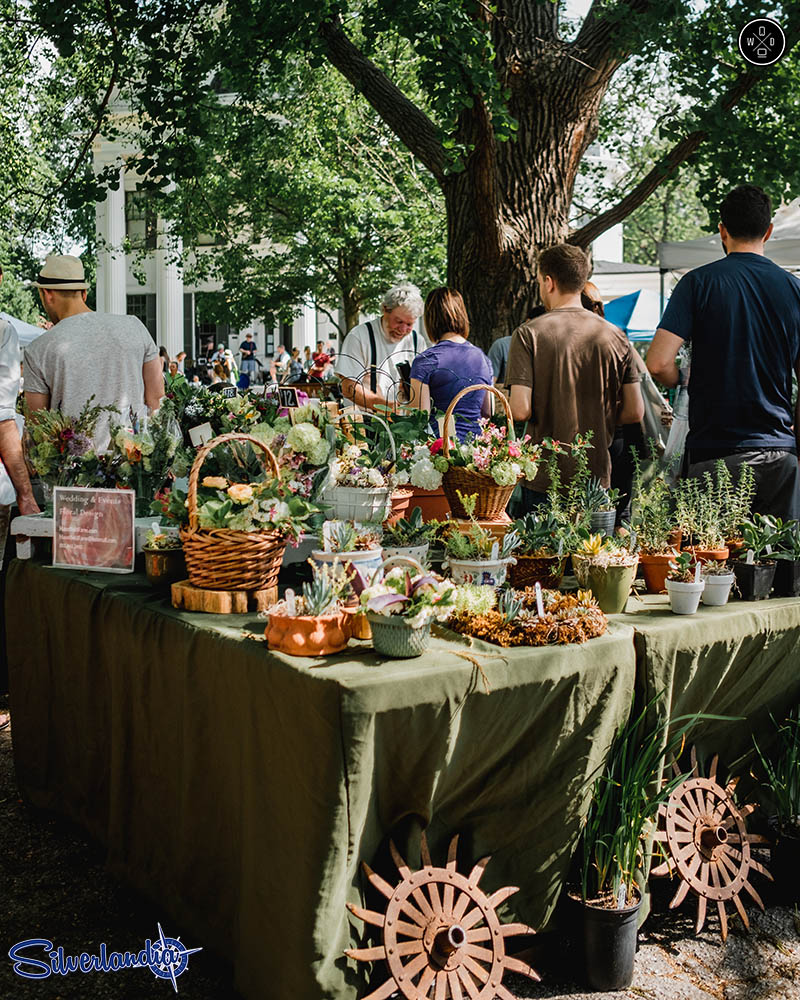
(228,392)
(93,529)
(288,396)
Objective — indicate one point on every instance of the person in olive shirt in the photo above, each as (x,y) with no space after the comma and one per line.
(741,315)
(571,372)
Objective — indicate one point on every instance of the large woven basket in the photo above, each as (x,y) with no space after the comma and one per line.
(220,559)
(492,499)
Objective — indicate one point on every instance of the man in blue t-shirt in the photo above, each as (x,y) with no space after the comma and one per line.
(741,316)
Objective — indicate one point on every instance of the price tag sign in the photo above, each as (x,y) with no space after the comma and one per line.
(200,434)
(288,396)
(93,529)
(539,604)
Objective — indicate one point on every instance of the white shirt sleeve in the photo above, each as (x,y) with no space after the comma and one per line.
(9,371)
(353,359)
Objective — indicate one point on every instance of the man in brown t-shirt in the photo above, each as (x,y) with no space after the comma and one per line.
(570,371)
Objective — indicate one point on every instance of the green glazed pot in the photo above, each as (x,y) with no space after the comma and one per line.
(610,585)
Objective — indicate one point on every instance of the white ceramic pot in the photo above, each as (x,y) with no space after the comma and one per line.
(351,503)
(418,552)
(684,598)
(489,572)
(718,589)
(366,560)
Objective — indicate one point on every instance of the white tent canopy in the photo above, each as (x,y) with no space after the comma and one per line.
(26,332)
(783,246)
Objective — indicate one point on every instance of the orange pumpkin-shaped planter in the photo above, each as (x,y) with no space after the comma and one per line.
(307,635)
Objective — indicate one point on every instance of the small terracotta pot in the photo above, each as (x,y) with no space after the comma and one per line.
(433,504)
(358,624)
(708,555)
(164,566)
(654,570)
(675,538)
(401,499)
(304,635)
(735,545)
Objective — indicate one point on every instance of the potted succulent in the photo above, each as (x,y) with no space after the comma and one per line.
(622,814)
(540,557)
(684,585)
(654,525)
(474,555)
(164,562)
(787,553)
(754,569)
(408,537)
(719,578)
(601,505)
(345,542)
(607,567)
(314,624)
(402,607)
(781,782)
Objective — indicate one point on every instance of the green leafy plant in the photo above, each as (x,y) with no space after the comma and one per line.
(509,605)
(681,568)
(162,542)
(477,542)
(597,498)
(408,531)
(325,592)
(567,501)
(653,519)
(626,798)
(540,534)
(781,773)
(734,500)
(761,534)
(698,512)
(344,536)
(788,546)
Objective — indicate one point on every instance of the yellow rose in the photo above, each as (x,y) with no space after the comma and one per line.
(215,482)
(240,492)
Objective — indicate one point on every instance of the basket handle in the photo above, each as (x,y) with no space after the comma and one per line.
(203,454)
(449,413)
(374,416)
(395,559)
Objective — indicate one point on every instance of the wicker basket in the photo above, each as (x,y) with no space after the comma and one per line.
(391,634)
(545,570)
(221,559)
(492,499)
(356,503)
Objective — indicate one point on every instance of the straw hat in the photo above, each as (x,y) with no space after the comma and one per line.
(61,272)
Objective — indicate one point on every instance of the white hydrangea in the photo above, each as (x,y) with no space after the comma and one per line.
(336,471)
(401,478)
(303,437)
(318,455)
(353,452)
(425,475)
(374,477)
(304,414)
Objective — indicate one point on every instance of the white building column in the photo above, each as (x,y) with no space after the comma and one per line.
(169,289)
(111,263)
(304,330)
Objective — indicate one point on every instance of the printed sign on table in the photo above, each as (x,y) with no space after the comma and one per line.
(93,529)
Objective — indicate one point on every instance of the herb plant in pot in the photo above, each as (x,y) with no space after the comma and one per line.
(408,537)
(735,501)
(780,772)
(719,578)
(474,555)
(654,525)
(699,515)
(787,553)
(402,607)
(684,585)
(540,557)
(607,567)
(755,567)
(314,624)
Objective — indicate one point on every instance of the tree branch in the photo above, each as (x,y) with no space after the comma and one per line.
(678,155)
(408,122)
(594,40)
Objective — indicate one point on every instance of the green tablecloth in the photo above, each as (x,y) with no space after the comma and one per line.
(742,659)
(242,788)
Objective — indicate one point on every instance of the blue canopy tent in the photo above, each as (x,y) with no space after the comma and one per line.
(636,314)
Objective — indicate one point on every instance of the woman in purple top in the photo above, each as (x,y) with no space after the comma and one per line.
(441,372)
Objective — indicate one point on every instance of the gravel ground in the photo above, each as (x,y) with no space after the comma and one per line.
(53,885)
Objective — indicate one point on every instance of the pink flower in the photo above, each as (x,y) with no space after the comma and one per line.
(514,449)
(436,447)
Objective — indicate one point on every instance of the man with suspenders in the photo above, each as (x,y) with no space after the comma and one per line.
(374,354)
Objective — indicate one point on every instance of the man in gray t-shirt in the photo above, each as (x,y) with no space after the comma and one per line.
(112,358)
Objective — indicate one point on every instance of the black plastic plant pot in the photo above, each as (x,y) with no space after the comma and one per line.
(787,578)
(609,945)
(754,580)
(785,867)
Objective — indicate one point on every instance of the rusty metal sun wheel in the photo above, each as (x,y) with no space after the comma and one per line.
(705,840)
(441,936)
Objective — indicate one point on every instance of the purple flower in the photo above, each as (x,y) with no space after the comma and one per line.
(79,444)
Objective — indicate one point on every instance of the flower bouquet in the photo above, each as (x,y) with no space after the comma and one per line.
(142,453)
(59,448)
(362,480)
(489,464)
(402,608)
